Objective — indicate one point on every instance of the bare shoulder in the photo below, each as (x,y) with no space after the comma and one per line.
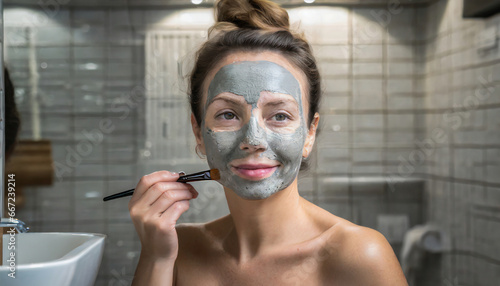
(191,237)
(185,228)
(188,232)
(362,256)
(188,236)
(200,239)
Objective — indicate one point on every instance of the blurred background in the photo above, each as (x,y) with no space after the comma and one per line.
(410,121)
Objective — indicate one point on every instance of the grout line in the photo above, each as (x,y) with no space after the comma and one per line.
(474,254)
(457,180)
(350,137)
(451,193)
(72,115)
(385,100)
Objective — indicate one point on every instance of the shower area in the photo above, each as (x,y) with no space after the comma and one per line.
(409,129)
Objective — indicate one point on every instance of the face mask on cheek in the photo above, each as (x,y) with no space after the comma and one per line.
(248,79)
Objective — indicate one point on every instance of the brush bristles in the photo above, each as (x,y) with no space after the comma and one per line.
(215,174)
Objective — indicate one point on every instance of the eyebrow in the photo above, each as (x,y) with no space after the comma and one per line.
(226,99)
(281,102)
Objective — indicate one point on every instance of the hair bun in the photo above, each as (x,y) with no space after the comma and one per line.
(254,14)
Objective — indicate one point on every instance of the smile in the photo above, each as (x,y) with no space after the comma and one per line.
(254,172)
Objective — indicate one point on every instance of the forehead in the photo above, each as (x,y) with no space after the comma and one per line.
(249,78)
(263,56)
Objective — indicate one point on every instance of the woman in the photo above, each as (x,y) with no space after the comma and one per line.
(254,96)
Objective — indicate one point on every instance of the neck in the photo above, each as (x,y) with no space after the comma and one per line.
(260,226)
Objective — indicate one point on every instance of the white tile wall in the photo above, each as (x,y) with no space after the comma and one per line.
(467,159)
(422,61)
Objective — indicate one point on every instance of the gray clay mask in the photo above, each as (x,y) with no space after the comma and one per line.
(248,79)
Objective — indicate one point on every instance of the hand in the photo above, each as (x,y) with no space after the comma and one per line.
(156,205)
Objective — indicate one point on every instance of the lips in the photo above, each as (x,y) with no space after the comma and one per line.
(254,172)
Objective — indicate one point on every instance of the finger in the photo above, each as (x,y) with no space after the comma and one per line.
(156,191)
(151,195)
(166,200)
(192,190)
(173,213)
(148,180)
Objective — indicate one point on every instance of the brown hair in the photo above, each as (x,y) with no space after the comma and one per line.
(252,26)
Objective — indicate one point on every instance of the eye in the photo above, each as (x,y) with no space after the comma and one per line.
(227,115)
(281,117)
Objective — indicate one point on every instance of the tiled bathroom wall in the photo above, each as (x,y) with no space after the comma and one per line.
(389,77)
(462,108)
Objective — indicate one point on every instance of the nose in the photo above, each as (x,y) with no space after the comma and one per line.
(255,136)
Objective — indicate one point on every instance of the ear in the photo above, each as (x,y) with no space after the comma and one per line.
(197,134)
(311,136)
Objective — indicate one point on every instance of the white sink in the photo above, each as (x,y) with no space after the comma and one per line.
(53,258)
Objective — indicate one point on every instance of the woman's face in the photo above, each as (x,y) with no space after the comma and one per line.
(254,127)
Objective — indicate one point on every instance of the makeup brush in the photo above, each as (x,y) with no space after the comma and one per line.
(212,174)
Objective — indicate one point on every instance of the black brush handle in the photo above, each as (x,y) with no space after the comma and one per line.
(200,176)
(119,195)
